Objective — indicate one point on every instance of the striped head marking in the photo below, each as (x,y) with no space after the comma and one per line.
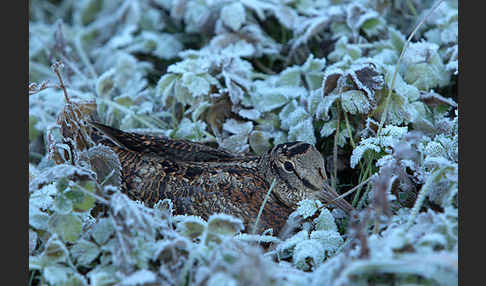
(300,167)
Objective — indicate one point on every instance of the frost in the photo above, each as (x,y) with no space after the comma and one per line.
(32,241)
(140,277)
(325,221)
(424,67)
(307,208)
(236,127)
(224,224)
(102,231)
(221,279)
(308,254)
(329,239)
(68,226)
(84,251)
(355,101)
(233,15)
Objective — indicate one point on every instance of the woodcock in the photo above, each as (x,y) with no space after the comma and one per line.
(201,180)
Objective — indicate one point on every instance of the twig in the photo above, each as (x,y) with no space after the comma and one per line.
(346,193)
(263,205)
(334,152)
(387,101)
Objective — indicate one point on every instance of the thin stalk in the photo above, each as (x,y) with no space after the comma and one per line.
(387,101)
(263,205)
(334,152)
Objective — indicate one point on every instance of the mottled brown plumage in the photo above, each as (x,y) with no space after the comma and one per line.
(201,180)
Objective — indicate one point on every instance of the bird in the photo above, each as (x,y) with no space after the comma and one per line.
(201,180)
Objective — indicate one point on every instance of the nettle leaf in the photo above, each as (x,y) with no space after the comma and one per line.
(291,76)
(102,230)
(355,101)
(194,131)
(32,241)
(292,114)
(330,127)
(307,208)
(84,252)
(303,131)
(196,84)
(423,66)
(236,127)
(343,49)
(233,15)
(330,240)
(165,86)
(286,248)
(308,254)
(252,114)
(68,226)
(325,221)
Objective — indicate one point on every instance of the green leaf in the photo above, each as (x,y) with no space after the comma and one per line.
(84,251)
(33,132)
(224,224)
(55,251)
(67,226)
(62,205)
(355,101)
(82,201)
(102,231)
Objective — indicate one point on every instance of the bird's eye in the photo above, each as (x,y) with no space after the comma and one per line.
(288,166)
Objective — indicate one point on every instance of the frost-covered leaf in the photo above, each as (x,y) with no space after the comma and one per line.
(67,226)
(84,251)
(221,279)
(191,226)
(102,230)
(308,254)
(37,218)
(286,248)
(233,15)
(224,224)
(259,141)
(105,83)
(329,239)
(32,241)
(236,127)
(325,221)
(56,274)
(55,251)
(307,208)
(423,66)
(355,101)
(303,131)
(139,277)
(103,275)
